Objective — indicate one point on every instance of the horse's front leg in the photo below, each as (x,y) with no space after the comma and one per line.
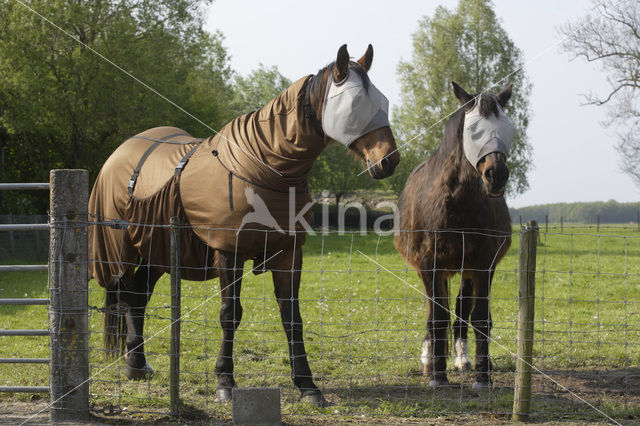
(435,344)
(287,285)
(464,303)
(136,299)
(230,269)
(481,322)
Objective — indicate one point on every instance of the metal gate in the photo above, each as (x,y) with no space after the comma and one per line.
(24,301)
(68,308)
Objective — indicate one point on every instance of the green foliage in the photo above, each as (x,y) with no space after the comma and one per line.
(62,106)
(338,172)
(470,47)
(258,88)
(609,212)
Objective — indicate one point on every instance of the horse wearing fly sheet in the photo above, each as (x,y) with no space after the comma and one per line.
(234,193)
(453,218)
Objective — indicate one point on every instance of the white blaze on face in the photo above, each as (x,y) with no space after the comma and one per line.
(484,135)
(350,111)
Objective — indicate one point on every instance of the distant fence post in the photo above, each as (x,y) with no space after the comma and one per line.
(69,295)
(524,360)
(174,362)
(546,223)
(561,224)
(598,223)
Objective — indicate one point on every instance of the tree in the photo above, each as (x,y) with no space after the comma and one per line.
(470,47)
(61,105)
(610,37)
(259,87)
(339,172)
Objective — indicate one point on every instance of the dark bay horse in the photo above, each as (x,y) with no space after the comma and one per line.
(454,219)
(235,192)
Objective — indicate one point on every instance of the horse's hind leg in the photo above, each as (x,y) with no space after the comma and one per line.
(481,322)
(287,285)
(435,344)
(230,268)
(464,303)
(136,299)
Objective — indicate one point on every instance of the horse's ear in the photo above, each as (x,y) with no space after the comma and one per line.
(341,67)
(367,58)
(504,95)
(463,97)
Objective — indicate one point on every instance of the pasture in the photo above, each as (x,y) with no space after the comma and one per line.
(364,325)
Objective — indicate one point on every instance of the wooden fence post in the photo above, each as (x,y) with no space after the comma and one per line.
(174,363)
(69,295)
(524,360)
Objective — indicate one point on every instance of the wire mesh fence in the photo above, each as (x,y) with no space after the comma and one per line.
(363,311)
(364,322)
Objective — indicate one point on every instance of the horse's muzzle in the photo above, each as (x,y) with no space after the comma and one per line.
(383,168)
(495,179)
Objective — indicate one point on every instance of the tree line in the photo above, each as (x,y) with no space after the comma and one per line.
(64,106)
(588,212)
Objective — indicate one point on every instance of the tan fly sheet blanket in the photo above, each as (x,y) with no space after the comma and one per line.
(215,186)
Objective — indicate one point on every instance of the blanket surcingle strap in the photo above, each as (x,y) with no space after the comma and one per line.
(166,139)
(165,172)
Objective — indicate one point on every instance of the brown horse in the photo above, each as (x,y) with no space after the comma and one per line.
(453,219)
(235,193)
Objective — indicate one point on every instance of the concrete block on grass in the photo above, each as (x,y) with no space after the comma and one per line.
(256,406)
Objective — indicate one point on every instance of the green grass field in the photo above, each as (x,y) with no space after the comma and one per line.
(363,330)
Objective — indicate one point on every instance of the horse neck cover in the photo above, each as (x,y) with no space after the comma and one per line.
(350,111)
(484,135)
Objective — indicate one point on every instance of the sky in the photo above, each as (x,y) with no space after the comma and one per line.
(574,156)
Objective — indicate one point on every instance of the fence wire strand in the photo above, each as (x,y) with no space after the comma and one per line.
(363,313)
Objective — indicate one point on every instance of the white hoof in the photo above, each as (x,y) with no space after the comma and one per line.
(438,383)
(482,385)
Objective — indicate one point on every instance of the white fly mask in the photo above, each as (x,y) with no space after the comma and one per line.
(350,111)
(484,135)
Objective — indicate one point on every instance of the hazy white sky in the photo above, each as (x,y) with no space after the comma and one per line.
(573,153)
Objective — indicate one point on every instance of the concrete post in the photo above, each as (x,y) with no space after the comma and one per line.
(69,299)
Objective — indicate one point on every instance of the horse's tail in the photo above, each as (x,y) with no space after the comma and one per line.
(115,327)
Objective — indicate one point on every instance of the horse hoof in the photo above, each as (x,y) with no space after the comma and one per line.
(462,365)
(482,385)
(438,383)
(133,373)
(315,398)
(224,395)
